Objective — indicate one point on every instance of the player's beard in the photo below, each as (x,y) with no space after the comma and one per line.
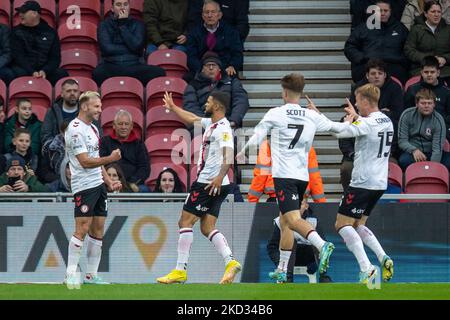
(208,114)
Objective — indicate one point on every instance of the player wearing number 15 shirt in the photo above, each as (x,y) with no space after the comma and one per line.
(292,130)
(374,132)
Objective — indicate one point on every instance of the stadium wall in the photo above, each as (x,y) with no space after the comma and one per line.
(140,242)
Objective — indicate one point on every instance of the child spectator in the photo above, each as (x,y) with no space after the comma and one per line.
(22,142)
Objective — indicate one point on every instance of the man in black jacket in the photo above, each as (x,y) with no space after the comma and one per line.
(385,43)
(35,45)
(358,10)
(235,13)
(6,74)
(430,73)
(212,78)
(122,41)
(135,161)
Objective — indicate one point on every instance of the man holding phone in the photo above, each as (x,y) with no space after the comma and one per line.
(16,178)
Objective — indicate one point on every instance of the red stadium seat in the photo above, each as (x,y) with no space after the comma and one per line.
(3,91)
(158,167)
(39,111)
(161,120)
(86,84)
(38,90)
(136,8)
(397,81)
(171,60)
(411,81)
(164,148)
(5,12)
(84,37)
(122,90)
(157,87)
(395,175)
(107,119)
(79,62)
(48,11)
(89,10)
(446,146)
(426,178)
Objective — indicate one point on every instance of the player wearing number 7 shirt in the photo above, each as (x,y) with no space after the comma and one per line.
(292,130)
(374,132)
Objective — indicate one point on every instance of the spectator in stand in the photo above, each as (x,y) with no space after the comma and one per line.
(386,43)
(214,35)
(262,182)
(21,142)
(2,126)
(414,8)
(134,161)
(235,13)
(23,118)
(211,77)
(122,42)
(430,80)
(35,45)
(429,36)
(62,184)
(358,10)
(6,74)
(115,172)
(16,178)
(168,182)
(64,109)
(166,22)
(421,133)
(391,95)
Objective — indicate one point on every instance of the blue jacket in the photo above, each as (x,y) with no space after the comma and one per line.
(121,41)
(228,47)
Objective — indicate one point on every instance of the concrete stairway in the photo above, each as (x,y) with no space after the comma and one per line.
(308,37)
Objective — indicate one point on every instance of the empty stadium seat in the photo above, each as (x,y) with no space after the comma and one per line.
(84,37)
(86,84)
(89,10)
(395,175)
(136,8)
(397,81)
(79,62)
(38,90)
(5,12)
(107,119)
(157,87)
(158,167)
(166,148)
(48,11)
(39,111)
(411,81)
(161,120)
(174,62)
(426,178)
(122,90)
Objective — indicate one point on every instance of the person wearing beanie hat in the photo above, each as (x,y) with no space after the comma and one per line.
(210,78)
(15,179)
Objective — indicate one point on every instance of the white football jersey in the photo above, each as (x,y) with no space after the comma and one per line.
(83,138)
(373,141)
(292,130)
(217,135)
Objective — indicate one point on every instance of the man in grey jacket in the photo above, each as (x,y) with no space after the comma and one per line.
(422,131)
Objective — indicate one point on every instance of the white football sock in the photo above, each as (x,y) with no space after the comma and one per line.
(75,247)
(315,239)
(355,245)
(221,245)
(184,247)
(285,255)
(371,241)
(94,254)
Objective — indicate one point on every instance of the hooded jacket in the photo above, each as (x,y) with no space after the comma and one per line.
(199,89)
(33,125)
(421,42)
(135,162)
(36,48)
(424,133)
(385,43)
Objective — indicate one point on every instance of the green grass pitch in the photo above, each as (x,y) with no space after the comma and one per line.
(237,291)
